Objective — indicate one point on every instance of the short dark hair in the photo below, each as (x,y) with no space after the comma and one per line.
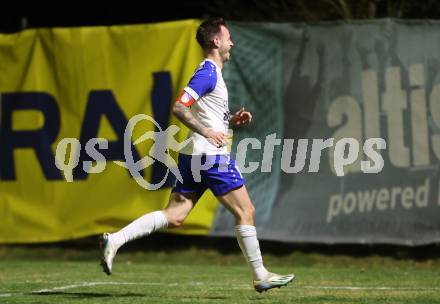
(207,30)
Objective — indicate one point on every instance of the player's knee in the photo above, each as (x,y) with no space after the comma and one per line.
(175,221)
(250,212)
(246,215)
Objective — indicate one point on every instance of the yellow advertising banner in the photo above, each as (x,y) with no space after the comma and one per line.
(81,86)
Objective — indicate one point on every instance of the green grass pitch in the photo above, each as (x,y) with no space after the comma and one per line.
(57,275)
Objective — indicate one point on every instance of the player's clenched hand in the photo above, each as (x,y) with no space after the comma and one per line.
(218,139)
(241,118)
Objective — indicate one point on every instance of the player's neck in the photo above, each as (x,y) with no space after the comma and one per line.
(216,58)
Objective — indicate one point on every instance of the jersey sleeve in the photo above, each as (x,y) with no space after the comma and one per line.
(203,81)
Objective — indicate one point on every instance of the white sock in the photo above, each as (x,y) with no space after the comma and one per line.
(247,239)
(143,226)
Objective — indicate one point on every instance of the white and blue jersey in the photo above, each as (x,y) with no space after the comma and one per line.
(211,108)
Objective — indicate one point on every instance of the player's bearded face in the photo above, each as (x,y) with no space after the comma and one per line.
(225,44)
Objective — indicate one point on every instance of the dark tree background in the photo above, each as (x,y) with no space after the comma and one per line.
(15,16)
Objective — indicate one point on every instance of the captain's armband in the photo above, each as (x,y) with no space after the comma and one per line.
(186,99)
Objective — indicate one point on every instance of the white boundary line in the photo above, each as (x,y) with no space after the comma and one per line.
(236,286)
(85,284)
(372,288)
(88,284)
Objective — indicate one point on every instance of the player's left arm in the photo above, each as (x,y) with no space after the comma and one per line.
(182,112)
(240,118)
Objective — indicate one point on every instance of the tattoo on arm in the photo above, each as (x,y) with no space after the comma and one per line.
(184,114)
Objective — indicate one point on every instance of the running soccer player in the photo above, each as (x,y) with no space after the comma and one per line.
(203,108)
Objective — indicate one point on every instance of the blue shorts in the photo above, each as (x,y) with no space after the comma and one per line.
(217,172)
